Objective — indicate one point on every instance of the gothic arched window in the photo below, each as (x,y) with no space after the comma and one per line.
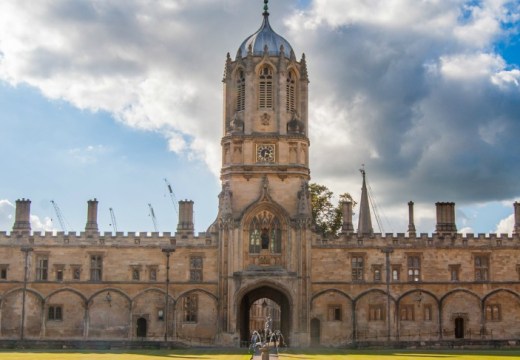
(275,244)
(291,91)
(265,233)
(241,90)
(265,91)
(254,237)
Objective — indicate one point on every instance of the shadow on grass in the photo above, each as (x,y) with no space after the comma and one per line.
(446,354)
(209,354)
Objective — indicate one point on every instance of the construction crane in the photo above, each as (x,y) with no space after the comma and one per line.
(172,195)
(113,217)
(59,215)
(152,215)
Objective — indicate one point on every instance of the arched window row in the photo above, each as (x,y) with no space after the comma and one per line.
(266,89)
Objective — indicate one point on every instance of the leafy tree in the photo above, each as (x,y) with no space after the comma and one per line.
(327,217)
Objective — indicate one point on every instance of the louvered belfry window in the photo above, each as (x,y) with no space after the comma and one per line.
(241,91)
(291,92)
(265,94)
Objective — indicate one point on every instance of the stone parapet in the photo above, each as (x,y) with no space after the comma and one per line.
(421,240)
(106,238)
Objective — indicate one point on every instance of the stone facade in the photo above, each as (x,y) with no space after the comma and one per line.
(359,286)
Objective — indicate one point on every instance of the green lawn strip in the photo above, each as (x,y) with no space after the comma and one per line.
(203,354)
(242,354)
(337,354)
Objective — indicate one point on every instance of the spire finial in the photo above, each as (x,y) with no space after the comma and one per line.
(266,8)
(364,220)
(363,171)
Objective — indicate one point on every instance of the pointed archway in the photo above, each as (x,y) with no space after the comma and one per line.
(272,294)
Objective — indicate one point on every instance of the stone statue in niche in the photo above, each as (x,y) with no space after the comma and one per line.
(265,239)
(236,125)
(296,124)
(304,199)
(225,200)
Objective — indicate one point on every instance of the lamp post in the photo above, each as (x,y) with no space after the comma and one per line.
(167,251)
(387,251)
(26,250)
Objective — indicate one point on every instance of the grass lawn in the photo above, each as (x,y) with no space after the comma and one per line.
(335,354)
(207,354)
(241,354)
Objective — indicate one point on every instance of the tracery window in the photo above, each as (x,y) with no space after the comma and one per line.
(241,90)
(59,270)
(96,267)
(396,273)
(376,312)
(152,273)
(265,93)
(407,312)
(493,312)
(357,268)
(265,233)
(190,308)
(481,268)
(42,268)
(334,313)
(377,272)
(291,91)
(55,312)
(196,268)
(414,268)
(454,272)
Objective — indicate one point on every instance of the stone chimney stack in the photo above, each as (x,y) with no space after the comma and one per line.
(185,216)
(516,229)
(411,225)
(445,217)
(92,225)
(347,227)
(22,221)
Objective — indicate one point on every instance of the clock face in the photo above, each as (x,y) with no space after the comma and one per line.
(265,153)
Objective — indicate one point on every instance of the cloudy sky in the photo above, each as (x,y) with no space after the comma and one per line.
(107,98)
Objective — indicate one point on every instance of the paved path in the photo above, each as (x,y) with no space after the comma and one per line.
(259,357)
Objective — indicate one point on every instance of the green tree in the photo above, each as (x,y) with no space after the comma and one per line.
(327,217)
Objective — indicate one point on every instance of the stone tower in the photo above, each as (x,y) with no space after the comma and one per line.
(264,207)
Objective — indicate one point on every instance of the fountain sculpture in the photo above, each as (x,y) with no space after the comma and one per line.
(272,340)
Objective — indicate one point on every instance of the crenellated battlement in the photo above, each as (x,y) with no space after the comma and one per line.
(86,238)
(421,240)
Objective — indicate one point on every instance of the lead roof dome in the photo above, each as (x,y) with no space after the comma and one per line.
(265,36)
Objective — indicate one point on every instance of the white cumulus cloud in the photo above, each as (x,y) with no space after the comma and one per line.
(410,88)
(506,225)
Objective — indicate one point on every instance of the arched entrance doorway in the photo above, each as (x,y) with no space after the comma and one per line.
(315,332)
(459,328)
(141,327)
(263,292)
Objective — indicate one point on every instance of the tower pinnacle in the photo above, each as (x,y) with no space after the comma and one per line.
(266,8)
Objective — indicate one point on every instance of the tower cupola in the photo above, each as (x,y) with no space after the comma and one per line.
(265,38)
(265,122)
